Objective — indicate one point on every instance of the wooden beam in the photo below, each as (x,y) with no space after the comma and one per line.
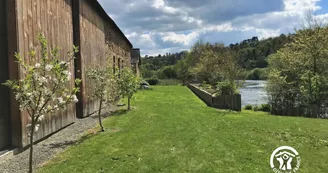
(13,42)
(5,135)
(78,62)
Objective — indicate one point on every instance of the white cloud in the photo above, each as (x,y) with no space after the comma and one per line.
(160,4)
(185,39)
(154,52)
(131,35)
(160,26)
(225,27)
(190,19)
(322,18)
(266,33)
(144,40)
(170,10)
(301,5)
(147,40)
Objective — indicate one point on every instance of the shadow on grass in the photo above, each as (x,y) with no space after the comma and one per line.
(109,113)
(91,132)
(120,112)
(66,144)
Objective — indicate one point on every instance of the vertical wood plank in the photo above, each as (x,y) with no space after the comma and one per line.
(54,20)
(90,32)
(13,46)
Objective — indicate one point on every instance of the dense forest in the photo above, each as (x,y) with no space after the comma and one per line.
(251,54)
(157,62)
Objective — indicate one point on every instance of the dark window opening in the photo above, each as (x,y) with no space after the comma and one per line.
(114,59)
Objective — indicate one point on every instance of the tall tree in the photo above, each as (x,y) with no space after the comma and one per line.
(302,68)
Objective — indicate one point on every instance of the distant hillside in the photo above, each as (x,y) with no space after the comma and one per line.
(251,54)
(157,62)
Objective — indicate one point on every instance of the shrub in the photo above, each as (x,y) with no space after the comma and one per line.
(205,86)
(248,107)
(257,74)
(226,88)
(265,108)
(159,74)
(169,72)
(168,82)
(152,81)
(256,108)
(166,72)
(147,73)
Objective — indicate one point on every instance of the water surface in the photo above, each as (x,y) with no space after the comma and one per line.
(254,93)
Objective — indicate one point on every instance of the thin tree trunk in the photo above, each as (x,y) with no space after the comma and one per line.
(99,114)
(31,147)
(129,103)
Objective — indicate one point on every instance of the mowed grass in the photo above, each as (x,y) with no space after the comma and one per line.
(170,130)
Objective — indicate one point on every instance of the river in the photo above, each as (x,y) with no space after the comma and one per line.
(254,93)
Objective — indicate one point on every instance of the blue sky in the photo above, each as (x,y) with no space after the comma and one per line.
(160,26)
(324,5)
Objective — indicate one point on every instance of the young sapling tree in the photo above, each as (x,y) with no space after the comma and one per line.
(104,87)
(129,84)
(44,88)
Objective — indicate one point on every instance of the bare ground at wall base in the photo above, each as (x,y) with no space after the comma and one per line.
(170,130)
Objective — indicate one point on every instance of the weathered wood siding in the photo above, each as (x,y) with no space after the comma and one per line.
(92,50)
(64,23)
(100,42)
(117,47)
(53,18)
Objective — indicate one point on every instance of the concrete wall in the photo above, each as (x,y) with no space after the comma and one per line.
(203,95)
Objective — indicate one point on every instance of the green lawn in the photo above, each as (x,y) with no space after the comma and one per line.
(170,130)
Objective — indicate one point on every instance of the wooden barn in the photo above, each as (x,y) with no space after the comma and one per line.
(65,23)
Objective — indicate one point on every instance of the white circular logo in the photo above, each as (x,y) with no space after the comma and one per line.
(285,159)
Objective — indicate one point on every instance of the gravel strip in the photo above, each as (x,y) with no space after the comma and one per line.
(50,147)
